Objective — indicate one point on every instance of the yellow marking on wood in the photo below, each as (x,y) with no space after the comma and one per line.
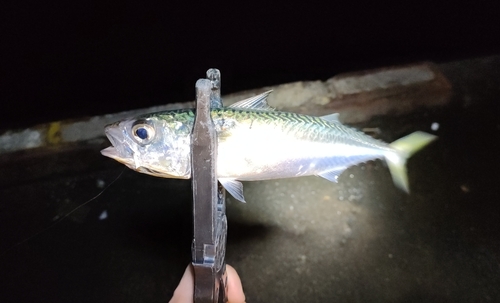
(54,133)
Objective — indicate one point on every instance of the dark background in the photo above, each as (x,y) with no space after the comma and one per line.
(70,59)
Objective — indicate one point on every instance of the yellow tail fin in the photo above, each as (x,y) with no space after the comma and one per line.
(405,148)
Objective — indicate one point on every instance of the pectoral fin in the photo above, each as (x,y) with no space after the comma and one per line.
(234,187)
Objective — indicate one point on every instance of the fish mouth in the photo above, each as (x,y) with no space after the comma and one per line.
(118,149)
(115,136)
(110,152)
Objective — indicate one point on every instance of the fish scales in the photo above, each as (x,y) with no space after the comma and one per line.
(301,126)
(291,130)
(289,145)
(255,143)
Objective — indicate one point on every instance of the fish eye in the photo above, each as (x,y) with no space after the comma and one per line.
(143,132)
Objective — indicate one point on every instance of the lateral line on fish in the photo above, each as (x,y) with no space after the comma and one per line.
(63,217)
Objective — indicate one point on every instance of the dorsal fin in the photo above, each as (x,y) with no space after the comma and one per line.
(332,118)
(256,102)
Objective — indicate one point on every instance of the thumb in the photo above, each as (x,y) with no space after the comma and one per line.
(185,291)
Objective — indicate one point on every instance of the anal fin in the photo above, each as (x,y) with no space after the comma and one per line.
(332,175)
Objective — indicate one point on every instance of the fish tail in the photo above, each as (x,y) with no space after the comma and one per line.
(404,148)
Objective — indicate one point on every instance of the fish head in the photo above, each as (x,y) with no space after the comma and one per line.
(152,146)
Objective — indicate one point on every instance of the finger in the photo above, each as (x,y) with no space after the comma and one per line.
(234,288)
(185,291)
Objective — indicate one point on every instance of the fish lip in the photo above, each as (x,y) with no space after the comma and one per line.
(114,154)
(113,133)
(110,152)
(118,149)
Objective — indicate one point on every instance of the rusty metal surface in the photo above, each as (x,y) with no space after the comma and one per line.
(294,241)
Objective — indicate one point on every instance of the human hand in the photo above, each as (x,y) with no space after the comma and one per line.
(185,291)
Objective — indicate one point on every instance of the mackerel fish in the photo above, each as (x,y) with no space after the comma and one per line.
(256,142)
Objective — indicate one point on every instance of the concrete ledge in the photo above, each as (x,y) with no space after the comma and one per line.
(360,96)
(357,96)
